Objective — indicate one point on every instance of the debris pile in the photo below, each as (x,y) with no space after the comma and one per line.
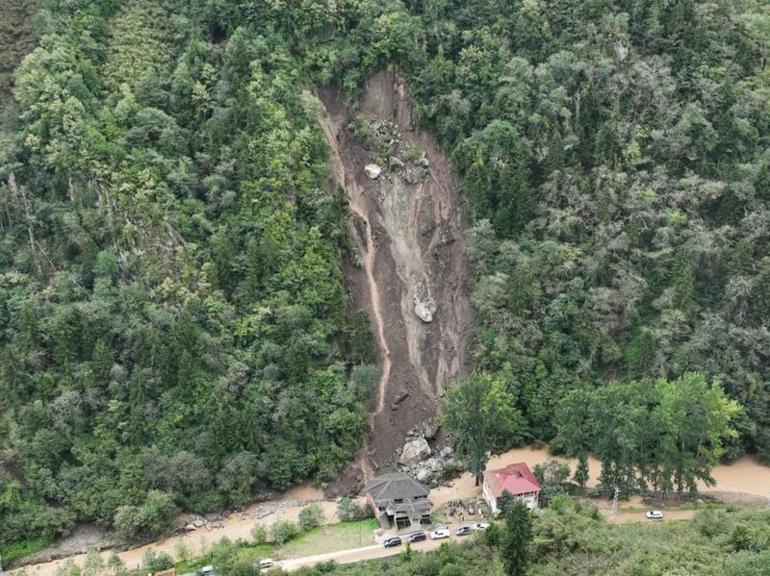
(388,148)
(426,465)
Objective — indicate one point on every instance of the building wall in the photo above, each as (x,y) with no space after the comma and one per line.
(373,506)
(530,500)
(489,498)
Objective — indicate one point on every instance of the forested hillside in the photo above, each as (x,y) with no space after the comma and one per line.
(16,39)
(172,310)
(174,327)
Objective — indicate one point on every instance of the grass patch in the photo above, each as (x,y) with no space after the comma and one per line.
(332,538)
(13,552)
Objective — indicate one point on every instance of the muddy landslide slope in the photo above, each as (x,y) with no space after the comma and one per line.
(411,272)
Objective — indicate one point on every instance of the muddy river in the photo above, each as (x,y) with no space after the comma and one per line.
(744,480)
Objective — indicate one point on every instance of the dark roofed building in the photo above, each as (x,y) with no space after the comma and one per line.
(399,500)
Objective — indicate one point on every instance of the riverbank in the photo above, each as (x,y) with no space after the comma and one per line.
(743,482)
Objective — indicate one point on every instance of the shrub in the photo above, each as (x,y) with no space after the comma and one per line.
(259,534)
(128,521)
(311,516)
(150,519)
(284,531)
(155,561)
(349,511)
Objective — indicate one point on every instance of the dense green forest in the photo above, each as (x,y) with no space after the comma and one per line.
(174,328)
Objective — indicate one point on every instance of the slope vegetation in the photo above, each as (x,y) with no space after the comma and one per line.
(174,328)
(16,39)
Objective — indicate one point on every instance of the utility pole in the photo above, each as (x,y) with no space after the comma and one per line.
(1,566)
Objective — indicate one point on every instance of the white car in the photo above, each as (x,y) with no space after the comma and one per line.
(266,563)
(440,533)
(655,515)
(480,526)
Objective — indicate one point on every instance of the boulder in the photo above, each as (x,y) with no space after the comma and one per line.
(423,475)
(373,171)
(425,309)
(430,429)
(395,163)
(412,177)
(403,395)
(414,451)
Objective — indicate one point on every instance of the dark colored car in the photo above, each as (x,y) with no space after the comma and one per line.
(464,531)
(416,537)
(392,542)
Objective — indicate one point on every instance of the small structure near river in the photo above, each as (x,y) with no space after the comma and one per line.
(398,500)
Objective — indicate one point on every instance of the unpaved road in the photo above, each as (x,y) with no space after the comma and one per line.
(378,551)
(409,233)
(360,554)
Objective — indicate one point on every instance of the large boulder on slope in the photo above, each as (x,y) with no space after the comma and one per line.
(414,451)
(372,171)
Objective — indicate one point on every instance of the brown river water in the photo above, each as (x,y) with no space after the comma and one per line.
(745,479)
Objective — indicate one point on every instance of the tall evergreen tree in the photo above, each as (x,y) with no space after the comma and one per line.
(516,539)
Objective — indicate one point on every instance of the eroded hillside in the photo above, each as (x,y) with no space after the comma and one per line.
(407,224)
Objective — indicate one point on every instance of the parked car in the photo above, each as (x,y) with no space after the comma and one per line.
(392,542)
(416,537)
(480,526)
(655,515)
(464,531)
(440,533)
(207,570)
(266,563)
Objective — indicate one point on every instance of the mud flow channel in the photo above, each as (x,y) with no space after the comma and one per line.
(410,272)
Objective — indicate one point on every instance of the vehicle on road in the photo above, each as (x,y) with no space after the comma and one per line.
(416,537)
(440,533)
(480,526)
(463,531)
(266,563)
(207,570)
(392,542)
(655,515)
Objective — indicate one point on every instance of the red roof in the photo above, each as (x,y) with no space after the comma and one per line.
(516,479)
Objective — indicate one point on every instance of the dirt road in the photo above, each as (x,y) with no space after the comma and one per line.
(358,554)
(378,551)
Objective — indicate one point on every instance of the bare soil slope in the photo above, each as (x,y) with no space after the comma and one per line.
(408,226)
